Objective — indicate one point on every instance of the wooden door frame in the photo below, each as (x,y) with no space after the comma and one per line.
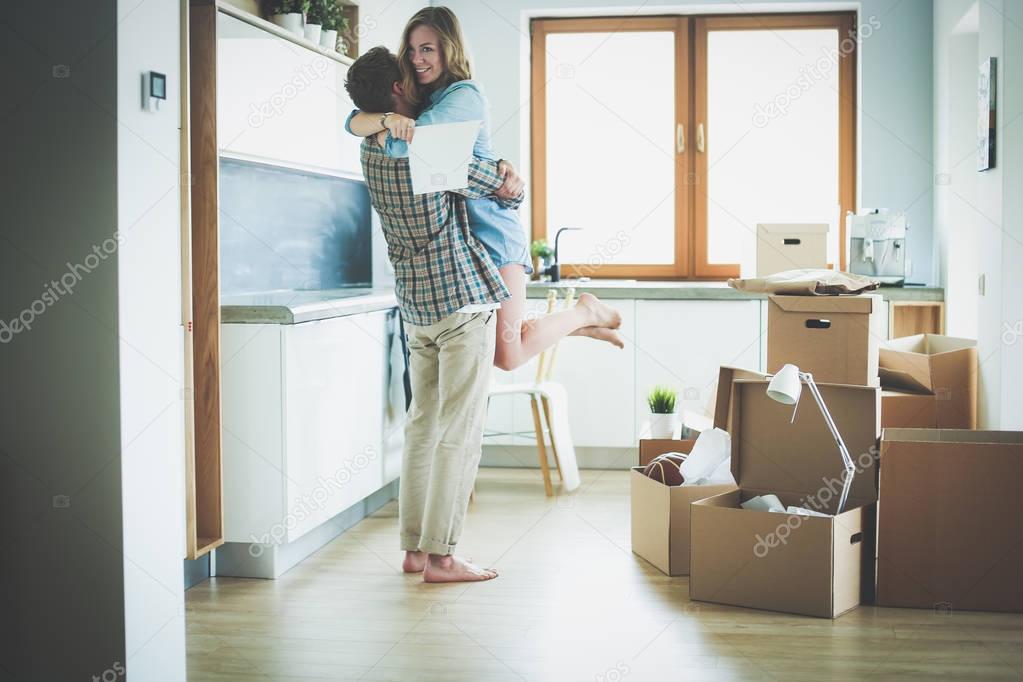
(540,29)
(845,24)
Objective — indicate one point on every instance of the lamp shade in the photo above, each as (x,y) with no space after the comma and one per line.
(785,386)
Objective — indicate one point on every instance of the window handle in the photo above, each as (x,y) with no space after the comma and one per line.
(700,142)
(680,138)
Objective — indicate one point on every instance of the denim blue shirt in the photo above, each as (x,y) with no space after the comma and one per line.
(496,226)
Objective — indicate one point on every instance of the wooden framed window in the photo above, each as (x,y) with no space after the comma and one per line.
(668,139)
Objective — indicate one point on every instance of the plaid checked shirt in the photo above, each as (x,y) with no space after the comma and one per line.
(439,265)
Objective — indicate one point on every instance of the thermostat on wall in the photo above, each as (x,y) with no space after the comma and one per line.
(154,90)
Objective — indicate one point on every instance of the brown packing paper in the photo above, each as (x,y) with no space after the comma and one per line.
(807,282)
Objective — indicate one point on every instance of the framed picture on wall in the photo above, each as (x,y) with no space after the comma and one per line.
(986,98)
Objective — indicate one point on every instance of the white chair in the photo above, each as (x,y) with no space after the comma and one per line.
(549,402)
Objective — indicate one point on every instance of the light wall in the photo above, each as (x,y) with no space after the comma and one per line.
(979,215)
(149,176)
(894,169)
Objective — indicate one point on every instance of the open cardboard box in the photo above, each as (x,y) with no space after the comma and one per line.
(816,566)
(950,530)
(660,513)
(943,366)
(654,447)
(835,338)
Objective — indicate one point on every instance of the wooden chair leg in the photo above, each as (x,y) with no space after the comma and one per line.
(554,448)
(541,448)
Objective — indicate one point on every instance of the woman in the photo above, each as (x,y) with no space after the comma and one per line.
(437,80)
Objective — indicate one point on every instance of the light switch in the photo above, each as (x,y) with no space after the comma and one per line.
(154,90)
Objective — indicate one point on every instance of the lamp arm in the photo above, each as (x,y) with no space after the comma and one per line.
(850,468)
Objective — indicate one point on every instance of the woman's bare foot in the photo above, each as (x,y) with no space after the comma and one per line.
(600,315)
(414,562)
(449,568)
(601,334)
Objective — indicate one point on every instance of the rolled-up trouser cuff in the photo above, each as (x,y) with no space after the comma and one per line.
(435,547)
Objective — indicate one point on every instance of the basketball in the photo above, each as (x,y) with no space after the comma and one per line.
(666,468)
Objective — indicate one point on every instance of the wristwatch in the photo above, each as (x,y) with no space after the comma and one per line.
(384,118)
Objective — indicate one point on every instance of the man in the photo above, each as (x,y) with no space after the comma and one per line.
(447,289)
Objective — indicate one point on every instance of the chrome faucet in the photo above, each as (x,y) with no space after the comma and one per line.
(555,269)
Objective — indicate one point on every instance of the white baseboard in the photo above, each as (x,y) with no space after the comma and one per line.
(520,456)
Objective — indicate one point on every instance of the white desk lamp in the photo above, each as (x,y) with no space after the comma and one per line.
(785,388)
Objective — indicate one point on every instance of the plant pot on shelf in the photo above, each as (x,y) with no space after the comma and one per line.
(664,425)
(312,33)
(292,21)
(328,39)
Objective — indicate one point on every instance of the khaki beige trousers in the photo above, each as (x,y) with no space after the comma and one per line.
(449,368)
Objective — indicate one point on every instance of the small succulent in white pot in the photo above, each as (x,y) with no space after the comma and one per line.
(664,420)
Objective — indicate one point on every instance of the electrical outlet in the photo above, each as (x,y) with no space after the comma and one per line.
(981,284)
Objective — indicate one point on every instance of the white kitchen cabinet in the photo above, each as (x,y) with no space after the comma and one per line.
(682,343)
(272,93)
(309,428)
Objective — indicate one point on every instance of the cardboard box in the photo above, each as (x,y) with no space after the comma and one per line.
(835,338)
(816,566)
(943,366)
(791,246)
(653,447)
(908,410)
(660,513)
(950,530)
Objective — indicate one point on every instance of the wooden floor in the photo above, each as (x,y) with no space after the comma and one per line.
(572,603)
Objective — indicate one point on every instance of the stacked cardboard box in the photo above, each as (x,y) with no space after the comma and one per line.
(835,338)
(930,381)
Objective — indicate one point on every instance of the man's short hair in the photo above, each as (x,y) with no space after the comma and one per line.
(370,79)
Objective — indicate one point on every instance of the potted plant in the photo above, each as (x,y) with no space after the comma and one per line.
(664,421)
(541,252)
(334,21)
(288,14)
(314,18)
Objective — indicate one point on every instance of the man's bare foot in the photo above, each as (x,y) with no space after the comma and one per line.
(600,315)
(414,562)
(449,568)
(601,334)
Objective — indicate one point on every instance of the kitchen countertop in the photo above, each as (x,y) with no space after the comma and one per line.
(288,306)
(663,290)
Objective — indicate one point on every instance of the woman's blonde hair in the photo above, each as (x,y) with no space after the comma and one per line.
(453,52)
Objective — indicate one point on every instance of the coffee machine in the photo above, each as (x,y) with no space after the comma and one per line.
(877,244)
